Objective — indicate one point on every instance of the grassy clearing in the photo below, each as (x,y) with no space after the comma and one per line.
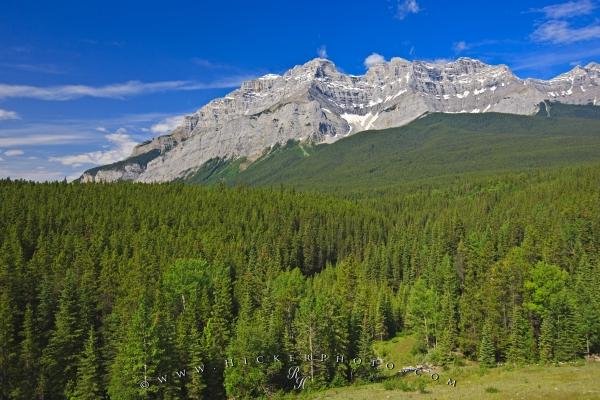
(398,351)
(570,381)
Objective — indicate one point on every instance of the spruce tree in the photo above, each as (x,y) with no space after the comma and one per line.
(487,352)
(521,347)
(365,370)
(587,304)
(196,382)
(138,356)
(8,354)
(59,358)
(449,304)
(547,341)
(88,384)
(569,340)
(28,357)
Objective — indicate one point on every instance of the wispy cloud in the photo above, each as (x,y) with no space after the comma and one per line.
(14,153)
(214,65)
(120,144)
(459,47)
(550,59)
(558,26)
(5,114)
(16,139)
(374,59)
(561,32)
(407,7)
(167,125)
(109,43)
(322,51)
(69,92)
(37,68)
(568,10)
(60,146)
(114,91)
(33,174)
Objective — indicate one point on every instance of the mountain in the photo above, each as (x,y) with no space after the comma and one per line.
(316,103)
(435,148)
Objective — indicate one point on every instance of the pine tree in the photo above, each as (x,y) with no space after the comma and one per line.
(59,358)
(522,346)
(196,383)
(28,357)
(7,347)
(365,370)
(587,303)
(448,334)
(547,342)
(487,352)
(569,340)
(88,384)
(138,357)
(243,381)
(222,308)
(448,325)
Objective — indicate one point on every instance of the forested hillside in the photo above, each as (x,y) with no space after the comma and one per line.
(436,146)
(105,287)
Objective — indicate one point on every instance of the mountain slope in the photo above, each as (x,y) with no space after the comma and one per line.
(315,102)
(434,146)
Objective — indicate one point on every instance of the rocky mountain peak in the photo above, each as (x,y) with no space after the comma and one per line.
(593,66)
(316,102)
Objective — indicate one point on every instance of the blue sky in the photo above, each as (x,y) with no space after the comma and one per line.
(82,81)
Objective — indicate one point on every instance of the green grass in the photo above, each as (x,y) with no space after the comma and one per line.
(397,350)
(532,382)
(568,381)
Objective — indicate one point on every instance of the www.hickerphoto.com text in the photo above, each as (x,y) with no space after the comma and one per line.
(293,360)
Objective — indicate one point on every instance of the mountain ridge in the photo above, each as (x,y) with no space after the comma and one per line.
(315,102)
(436,148)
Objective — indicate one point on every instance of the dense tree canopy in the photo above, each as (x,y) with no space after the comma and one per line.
(129,291)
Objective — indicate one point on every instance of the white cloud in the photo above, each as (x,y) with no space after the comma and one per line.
(34,174)
(557,30)
(561,32)
(37,68)
(13,153)
(374,59)
(5,114)
(569,9)
(167,125)
(121,145)
(459,47)
(36,140)
(322,51)
(1,159)
(407,7)
(114,91)
(68,92)
(204,63)
(546,59)
(101,129)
